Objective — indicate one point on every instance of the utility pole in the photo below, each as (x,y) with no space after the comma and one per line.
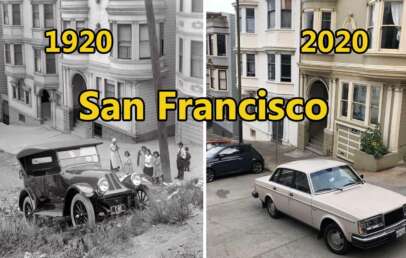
(156,74)
(240,134)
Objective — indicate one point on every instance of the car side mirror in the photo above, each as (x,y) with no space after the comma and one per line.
(362,176)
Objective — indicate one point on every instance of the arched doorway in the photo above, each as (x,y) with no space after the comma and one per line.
(45,105)
(316,128)
(78,86)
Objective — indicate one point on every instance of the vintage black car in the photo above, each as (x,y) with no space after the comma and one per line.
(65,179)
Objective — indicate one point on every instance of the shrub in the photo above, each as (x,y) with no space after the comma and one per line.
(372,144)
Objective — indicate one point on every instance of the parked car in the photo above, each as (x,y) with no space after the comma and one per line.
(331,197)
(65,179)
(233,159)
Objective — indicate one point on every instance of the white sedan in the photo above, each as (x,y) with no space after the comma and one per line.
(331,197)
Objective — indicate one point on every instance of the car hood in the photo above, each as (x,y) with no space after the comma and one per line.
(89,174)
(361,201)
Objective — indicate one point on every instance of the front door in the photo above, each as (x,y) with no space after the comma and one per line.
(281,188)
(300,199)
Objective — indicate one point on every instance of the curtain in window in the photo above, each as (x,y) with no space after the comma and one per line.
(196,52)
(124,41)
(396,8)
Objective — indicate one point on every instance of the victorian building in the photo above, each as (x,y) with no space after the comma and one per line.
(189,64)
(44,88)
(220,65)
(269,46)
(363,90)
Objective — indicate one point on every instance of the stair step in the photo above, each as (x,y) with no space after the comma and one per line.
(315,149)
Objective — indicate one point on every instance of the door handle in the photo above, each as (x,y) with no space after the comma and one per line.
(291,194)
(274,188)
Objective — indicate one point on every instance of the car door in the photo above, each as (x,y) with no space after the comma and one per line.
(281,187)
(228,161)
(300,199)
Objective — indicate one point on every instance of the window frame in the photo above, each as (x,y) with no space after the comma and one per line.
(273,75)
(282,79)
(20,22)
(224,53)
(382,25)
(224,71)
(250,75)
(196,59)
(290,13)
(269,13)
(49,26)
(37,67)
(251,17)
(15,55)
(34,18)
(125,45)
(142,42)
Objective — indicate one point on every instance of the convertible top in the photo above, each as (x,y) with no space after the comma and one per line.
(56,146)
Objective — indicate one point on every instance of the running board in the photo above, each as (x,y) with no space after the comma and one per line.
(50,213)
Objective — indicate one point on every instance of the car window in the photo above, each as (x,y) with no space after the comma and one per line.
(301,183)
(274,176)
(229,151)
(334,179)
(285,177)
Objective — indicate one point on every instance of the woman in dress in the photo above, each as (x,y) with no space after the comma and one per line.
(115,159)
(128,164)
(157,173)
(148,165)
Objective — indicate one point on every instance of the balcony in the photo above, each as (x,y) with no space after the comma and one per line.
(13,32)
(15,70)
(74,9)
(134,8)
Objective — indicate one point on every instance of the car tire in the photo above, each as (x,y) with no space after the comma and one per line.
(271,208)
(28,210)
(335,239)
(82,211)
(142,198)
(257,167)
(209,176)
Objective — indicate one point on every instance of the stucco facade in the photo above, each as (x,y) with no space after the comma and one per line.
(270,57)
(220,65)
(362,90)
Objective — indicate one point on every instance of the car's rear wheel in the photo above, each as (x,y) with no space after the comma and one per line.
(142,198)
(82,211)
(28,210)
(209,176)
(335,239)
(257,167)
(271,208)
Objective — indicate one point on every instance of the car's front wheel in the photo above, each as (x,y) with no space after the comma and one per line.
(209,176)
(28,210)
(257,167)
(335,239)
(271,208)
(142,198)
(82,211)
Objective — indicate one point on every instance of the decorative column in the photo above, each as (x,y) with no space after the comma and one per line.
(388,115)
(396,117)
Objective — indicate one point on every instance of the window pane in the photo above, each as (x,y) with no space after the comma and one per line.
(196,50)
(50,64)
(48,15)
(359,100)
(286,177)
(391,24)
(221,44)
(162,38)
(344,99)
(250,19)
(16,14)
(301,182)
(35,16)
(124,41)
(250,65)
(145,52)
(271,67)
(7,53)
(271,14)
(18,54)
(109,89)
(286,14)
(375,100)
(286,68)
(6,17)
(326,20)
(121,90)
(37,60)
(308,20)
(222,80)
(197,6)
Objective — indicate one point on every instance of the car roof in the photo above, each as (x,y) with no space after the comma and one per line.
(56,146)
(312,165)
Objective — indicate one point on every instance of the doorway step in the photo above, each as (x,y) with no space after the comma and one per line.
(315,144)
(82,129)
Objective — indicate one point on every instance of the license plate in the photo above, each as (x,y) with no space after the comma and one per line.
(117,209)
(400,232)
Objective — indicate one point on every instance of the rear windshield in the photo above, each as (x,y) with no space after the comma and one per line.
(78,156)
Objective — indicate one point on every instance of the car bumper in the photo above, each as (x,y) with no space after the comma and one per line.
(254,194)
(384,236)
(114,203)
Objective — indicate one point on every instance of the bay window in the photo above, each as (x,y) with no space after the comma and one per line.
(222,79)
(286,68)
(250,65)
(48,15)
(145,52)
(286,14)
(250,20)
(35,16)
(359,102)
(16,14)
(124,41)
(271,67)
(271,13)
(37,60)
(391,24)
(196,53)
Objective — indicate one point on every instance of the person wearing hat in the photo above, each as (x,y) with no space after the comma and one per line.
(115,159)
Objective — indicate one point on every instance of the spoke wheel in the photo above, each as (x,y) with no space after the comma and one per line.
(142,199)
(335,239)
(257,167)
(82,212)
(28,210)
(209,176)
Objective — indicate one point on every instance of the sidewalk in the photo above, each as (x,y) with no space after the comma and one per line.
(13,138)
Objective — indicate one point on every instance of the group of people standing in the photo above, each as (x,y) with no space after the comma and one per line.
(148,161)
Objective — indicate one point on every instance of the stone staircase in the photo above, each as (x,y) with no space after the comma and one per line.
(315,144)
(82,129)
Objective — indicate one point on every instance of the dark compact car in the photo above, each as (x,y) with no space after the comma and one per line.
(65,179)
(233,159)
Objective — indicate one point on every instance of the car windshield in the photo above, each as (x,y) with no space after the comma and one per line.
(213,151)
(334,179)
(78,156)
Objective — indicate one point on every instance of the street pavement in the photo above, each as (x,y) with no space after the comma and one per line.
(13,138)
(237,226)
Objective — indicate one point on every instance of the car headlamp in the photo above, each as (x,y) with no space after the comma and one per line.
(372,224)
(136,179)
(103,185)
